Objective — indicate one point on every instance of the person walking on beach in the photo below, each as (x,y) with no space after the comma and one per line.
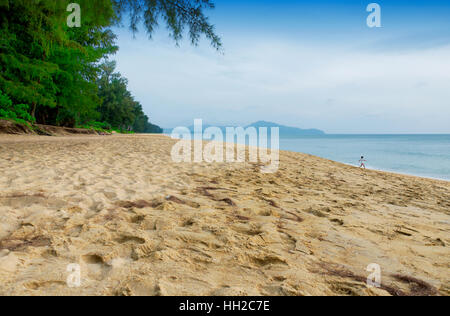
(362,162)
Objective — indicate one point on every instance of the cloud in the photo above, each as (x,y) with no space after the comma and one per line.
(333,86)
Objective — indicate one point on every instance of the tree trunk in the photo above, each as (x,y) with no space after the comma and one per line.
(33,110)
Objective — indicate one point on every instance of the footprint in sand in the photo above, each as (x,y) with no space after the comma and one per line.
(95,267)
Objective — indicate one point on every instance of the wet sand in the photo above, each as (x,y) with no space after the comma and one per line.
(139,224)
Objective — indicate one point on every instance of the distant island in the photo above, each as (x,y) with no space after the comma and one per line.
(285,131)
(288,132)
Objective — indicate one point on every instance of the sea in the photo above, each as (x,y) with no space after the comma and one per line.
(419,155)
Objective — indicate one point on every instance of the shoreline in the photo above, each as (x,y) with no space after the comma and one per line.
(353,165)
(397,172)
(393,172)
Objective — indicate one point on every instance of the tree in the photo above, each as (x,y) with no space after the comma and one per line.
(9,110)
(177,14)
(141,122)
(77,93)
(54,71)
(45,64)
(118,107)
(25,75)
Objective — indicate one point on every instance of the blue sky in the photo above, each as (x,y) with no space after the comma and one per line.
(310,64)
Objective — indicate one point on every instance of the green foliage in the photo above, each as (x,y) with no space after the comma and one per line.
(178,15)
(118,106)
(54,74)
(48,65)
(103,127)
(99,125)
(18,112)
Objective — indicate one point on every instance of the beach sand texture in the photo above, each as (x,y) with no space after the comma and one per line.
(139,224)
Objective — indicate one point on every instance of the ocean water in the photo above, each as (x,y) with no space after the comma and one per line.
(420,155)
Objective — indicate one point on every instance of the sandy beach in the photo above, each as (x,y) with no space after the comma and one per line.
(139,224)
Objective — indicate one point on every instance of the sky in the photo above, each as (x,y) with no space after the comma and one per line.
(307,64)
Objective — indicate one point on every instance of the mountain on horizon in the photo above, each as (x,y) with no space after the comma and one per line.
(285,131)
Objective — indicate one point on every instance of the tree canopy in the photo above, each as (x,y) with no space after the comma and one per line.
(176,14)
(62,76)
